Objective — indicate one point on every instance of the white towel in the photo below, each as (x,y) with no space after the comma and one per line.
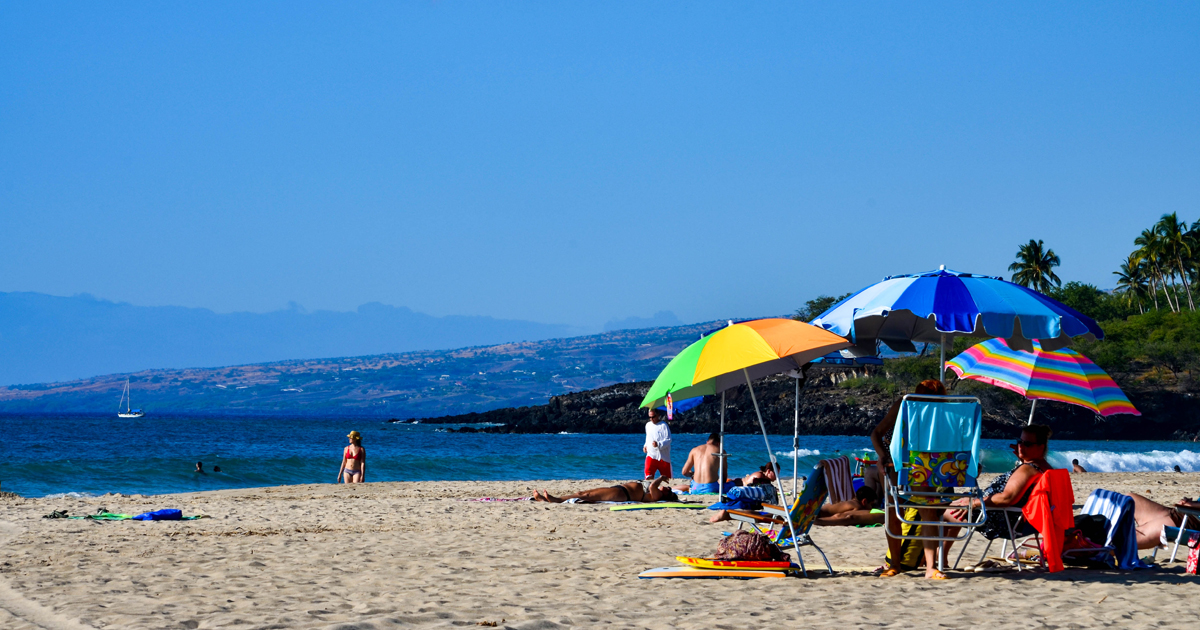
(837,479)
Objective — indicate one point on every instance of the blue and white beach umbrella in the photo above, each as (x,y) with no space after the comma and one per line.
(936,306)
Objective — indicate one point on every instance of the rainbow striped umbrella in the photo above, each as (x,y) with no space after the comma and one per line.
(1063,375)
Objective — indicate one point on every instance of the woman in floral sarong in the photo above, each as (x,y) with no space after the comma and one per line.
(880,438)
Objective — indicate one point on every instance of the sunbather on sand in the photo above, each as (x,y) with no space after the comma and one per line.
(1152,516)
(628,491)
(863,509)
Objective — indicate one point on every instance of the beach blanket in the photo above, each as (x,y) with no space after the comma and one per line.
(497,499)
(105,515)
(837,479)
(1117,509)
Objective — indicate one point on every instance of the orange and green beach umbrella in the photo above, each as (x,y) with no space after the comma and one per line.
(739,353)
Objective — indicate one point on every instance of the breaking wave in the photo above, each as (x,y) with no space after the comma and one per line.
(1149,461)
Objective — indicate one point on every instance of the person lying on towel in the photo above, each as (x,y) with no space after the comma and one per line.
(630,491)
(863,509)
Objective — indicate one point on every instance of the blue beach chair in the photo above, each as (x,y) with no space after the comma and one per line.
(935,445)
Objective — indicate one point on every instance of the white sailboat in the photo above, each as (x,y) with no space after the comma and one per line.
(126,399)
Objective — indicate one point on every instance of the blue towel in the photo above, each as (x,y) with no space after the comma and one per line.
(1117,509)
(747,498)
(160,515)
(938,427)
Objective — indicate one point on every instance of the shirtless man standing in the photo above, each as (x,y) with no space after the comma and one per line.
(703,466)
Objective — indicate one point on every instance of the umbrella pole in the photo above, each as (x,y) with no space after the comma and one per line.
(1031,408)
(721,454)
(796,442)
(778,482)
(942,349)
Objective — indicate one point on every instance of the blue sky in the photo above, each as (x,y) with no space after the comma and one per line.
(579,162)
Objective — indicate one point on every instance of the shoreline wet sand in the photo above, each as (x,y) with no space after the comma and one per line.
(389,555)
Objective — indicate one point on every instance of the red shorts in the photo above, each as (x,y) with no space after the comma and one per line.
(663,468)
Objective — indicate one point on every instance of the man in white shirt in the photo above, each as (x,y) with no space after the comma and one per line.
(658,445)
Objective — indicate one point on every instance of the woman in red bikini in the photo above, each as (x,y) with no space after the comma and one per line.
(354,460)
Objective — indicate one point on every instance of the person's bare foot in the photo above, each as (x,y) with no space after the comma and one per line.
(536,496)
(546,497)
(721,515)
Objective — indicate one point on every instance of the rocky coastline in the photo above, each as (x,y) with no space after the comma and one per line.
(828,407)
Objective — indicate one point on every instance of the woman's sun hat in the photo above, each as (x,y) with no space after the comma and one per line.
(354,435)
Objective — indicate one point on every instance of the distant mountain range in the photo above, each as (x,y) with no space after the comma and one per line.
(45,338)
(403,385)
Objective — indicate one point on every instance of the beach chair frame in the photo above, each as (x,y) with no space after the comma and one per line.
(900,497)
(1187,513)
(1016,540)
(789,521)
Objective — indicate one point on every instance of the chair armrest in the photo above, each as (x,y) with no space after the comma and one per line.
(754,517)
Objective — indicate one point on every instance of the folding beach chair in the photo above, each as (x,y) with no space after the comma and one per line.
(936,446)
(1179,533)
(779,524)
(1117,510)
(837,478)
(1017,540)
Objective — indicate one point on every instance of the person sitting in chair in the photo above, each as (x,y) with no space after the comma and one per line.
(1010,489)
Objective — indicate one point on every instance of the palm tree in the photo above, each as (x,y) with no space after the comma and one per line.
(1034,267)
(1176,245)
(1150,248)
(1131,281)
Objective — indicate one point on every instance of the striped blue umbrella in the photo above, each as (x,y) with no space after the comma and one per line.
(936,306)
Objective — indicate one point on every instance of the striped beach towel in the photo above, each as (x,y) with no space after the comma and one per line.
(837,478)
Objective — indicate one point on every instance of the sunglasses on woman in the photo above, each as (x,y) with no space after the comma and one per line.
(1026,443)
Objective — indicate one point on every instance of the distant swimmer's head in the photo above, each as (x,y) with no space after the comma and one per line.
(355,437)
(931,387)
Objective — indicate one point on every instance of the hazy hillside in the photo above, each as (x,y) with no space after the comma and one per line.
(45,338)
(407,385)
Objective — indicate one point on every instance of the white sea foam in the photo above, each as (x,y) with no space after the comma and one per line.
(1149,461)
(71,495)
(800,452)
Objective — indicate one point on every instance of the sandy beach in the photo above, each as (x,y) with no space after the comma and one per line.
(385,555)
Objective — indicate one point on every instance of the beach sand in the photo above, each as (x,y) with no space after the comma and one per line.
(387,555)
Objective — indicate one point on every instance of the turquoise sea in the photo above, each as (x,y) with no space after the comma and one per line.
(43,455)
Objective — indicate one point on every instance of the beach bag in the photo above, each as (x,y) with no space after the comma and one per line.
(1075,540)
(160,515)
(1193,554)
(744,545)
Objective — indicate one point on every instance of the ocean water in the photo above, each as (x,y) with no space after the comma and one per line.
(93,455)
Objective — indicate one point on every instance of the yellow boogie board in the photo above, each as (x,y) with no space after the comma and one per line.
(737,565)
(694,573)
